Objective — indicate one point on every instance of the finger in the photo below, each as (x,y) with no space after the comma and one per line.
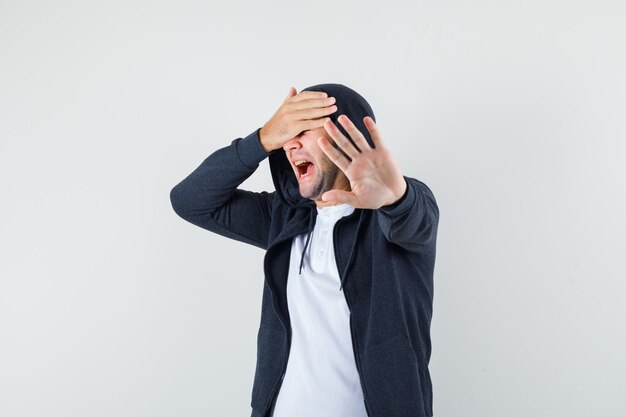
(313,103)
(312,123)
(333,154)
(377,138)
(341,197)
(292,92)
(303,95)
(341,141)
(357,137)
(314,113)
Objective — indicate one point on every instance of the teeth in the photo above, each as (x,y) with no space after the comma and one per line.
(300,162)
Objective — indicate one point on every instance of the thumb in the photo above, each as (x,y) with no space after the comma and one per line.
(341,197)
(292,92)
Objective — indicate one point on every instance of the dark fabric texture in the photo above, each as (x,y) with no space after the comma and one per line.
(385,259)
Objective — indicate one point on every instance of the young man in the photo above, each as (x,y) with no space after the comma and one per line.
(350,250)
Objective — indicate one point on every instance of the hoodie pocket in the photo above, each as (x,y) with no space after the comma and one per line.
(392,376)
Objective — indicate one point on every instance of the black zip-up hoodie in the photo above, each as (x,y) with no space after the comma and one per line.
(385,259)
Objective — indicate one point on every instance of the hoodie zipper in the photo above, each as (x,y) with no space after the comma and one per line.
(352,331)
(273,395)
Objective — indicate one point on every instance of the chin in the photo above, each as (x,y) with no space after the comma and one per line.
(309,195)
(317,184)
(310,192)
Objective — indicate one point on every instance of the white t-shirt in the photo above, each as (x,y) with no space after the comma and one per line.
(321,377)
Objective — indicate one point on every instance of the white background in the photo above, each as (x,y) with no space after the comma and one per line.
(513,112)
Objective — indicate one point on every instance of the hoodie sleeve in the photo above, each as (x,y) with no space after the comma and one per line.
(412,221)
(209,197)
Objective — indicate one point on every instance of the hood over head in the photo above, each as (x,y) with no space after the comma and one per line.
(348,102)
(355,107)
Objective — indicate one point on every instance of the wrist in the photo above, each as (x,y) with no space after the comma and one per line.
(399,194)
(249,149)
(264,142)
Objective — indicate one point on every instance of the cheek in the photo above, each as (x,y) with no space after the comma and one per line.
(322,163)
(326,162)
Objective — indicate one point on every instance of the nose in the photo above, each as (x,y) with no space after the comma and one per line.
(292,144)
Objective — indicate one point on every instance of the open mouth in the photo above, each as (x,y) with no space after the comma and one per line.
(304,168)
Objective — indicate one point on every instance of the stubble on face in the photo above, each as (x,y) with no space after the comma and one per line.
(326,177)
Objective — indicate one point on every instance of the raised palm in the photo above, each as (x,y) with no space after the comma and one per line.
(374,175)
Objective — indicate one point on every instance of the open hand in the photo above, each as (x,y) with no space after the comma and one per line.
(298,112)
(374,175)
